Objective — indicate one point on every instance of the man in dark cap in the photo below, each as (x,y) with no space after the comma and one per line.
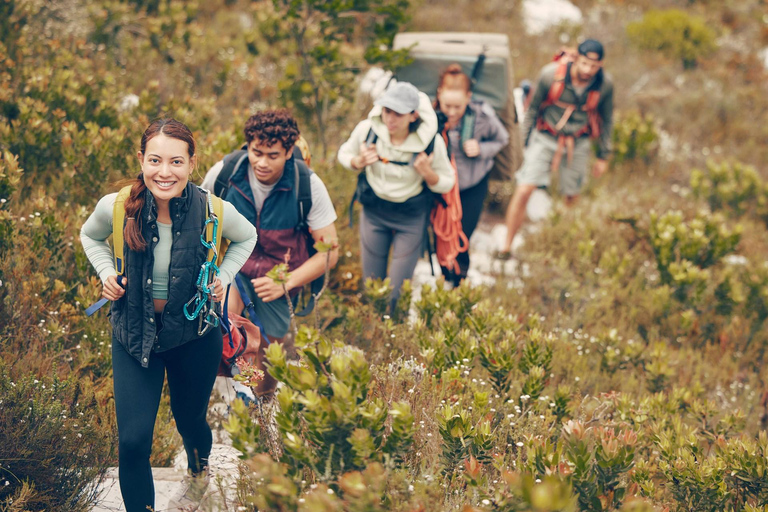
(572,102)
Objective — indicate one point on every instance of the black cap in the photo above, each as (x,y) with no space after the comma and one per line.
(591,46)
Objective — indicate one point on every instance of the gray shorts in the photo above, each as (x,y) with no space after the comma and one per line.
(537,163)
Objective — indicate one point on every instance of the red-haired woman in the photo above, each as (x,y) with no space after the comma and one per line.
(475,136)
(151,336)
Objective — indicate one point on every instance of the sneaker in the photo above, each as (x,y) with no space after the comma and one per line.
(190,493)
(503,255)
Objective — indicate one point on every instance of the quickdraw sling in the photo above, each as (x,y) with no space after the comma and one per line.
(204,307)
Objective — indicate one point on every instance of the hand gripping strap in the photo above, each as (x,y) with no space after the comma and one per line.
(118,224)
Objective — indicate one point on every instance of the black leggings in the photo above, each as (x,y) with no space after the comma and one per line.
(191,370)
(472,201)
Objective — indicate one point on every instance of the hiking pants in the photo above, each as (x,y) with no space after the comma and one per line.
(472,201)
(403,233)
(191,370)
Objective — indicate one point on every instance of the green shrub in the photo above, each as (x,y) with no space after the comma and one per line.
(683,248)
(675,33)
(55,447)
(634,138)
(735,188)
(327,422)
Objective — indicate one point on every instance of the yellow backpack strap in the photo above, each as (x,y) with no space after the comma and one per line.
(221,244)
(118,221)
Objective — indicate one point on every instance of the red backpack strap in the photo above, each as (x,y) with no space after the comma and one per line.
(593,99)
(594,122)
(558,84)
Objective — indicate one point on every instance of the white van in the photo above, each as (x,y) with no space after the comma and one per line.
(434,51)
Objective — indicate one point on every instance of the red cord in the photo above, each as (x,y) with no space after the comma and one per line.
(450,240)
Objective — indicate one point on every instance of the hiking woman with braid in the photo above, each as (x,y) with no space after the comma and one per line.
(165,216)
(475,137)
(400,161)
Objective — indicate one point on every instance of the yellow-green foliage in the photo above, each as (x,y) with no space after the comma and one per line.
(733,187)
(674,32)
(634,138)
(701,242)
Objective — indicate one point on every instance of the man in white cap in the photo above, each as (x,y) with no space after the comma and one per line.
(571,104)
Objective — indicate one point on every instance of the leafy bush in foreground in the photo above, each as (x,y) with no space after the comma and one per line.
(54,450)
(327,421)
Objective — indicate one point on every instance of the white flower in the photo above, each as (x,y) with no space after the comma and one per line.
(519,443)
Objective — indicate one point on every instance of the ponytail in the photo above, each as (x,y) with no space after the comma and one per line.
(133,206)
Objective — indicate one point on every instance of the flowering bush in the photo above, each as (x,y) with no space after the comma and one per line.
(54,448)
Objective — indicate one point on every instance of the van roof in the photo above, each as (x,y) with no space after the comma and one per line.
(454,43)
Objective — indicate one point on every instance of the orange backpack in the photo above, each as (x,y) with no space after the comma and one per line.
(564,57)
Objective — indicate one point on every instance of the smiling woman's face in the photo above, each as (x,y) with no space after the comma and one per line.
(166,165)
(453,103)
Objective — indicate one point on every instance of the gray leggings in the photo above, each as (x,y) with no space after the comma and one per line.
(403,233)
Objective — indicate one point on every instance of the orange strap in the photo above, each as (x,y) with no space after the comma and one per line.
(450,240)
(564,143)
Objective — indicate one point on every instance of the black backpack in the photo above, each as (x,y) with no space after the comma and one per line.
(303,198)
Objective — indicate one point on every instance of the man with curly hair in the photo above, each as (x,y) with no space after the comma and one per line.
(264,184)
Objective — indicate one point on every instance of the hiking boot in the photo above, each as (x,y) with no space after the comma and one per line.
(503,255)
(190,493)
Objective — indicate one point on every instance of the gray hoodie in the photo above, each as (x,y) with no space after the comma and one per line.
(492,137)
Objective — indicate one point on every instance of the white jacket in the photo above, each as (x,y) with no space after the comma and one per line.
(398,183)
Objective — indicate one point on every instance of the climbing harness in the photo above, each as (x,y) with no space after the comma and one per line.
(204,306)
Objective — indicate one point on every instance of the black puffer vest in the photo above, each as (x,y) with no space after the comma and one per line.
(133,316)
